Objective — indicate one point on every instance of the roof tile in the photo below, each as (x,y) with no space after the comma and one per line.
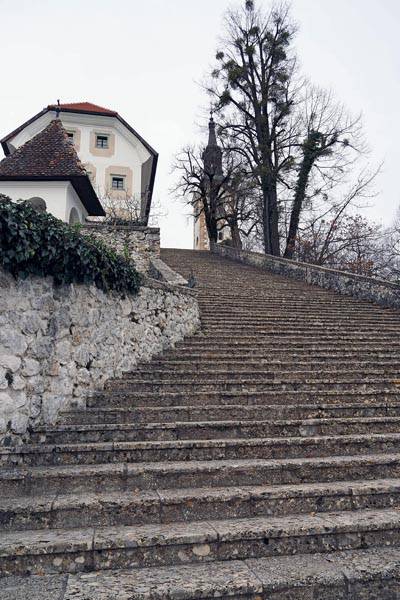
(48,154)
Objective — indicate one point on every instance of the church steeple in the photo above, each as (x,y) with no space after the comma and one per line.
(212,155)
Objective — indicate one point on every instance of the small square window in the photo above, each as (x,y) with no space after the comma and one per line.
(101,141)
(70,135)
(117,182)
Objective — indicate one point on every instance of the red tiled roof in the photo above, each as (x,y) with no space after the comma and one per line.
(48,154)
(84,106)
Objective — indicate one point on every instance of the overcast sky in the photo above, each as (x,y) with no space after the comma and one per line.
(144,58)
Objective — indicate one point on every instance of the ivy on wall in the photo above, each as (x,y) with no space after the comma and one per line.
(35,243)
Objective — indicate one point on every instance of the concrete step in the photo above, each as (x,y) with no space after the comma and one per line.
(224,413)
(119,547)
(207,430)
(101,509)
(215,449)
(346,575)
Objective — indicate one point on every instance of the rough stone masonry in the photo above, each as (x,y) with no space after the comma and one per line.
(59,344)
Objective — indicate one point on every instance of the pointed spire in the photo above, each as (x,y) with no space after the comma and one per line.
(212,155)
(212,137)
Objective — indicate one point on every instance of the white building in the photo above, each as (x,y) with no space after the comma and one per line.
(117,159)
(46,170)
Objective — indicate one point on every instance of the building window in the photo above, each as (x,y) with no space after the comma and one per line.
(101,141)
(220,235)
(117,182)
(71,137)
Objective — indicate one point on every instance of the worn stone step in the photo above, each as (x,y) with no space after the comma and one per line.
(129,399)
(276,338)
(314,312)
(297,329)
(224,413)
(346,575)
(291,355)
(85,433)
(163,506)
(200,344)
(264,372)
(231,449)
(264,364)
(351,381)
(103,548)
(82,478)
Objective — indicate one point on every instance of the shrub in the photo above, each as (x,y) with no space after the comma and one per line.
(34,243)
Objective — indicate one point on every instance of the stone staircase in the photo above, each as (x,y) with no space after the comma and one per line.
(260,459)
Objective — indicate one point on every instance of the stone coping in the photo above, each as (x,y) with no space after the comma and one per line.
(361,287)
(168,287)
(119,227)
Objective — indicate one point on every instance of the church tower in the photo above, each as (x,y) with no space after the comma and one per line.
(212,161)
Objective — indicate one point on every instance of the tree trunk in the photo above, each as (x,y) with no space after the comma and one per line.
(270,217)
(235,235)
(301,188)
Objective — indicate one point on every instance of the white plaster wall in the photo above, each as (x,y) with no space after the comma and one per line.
(128,151)
(73,201)
(59,196)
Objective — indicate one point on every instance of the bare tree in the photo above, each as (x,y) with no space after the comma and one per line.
(225,197)
(251,88)
(332,144)
(124,208)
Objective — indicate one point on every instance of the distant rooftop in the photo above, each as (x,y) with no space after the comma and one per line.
(84,107)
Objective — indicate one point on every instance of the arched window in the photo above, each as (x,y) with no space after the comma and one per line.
(74,216)
(38,203)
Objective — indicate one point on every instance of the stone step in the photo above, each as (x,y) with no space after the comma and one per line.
(248,364)
(237,337)
(120,477)
(290,355)
(284,329)
(263,373)
(202,344)
(101,509)
(225,413)
(309,312)
(104,548)
(351,382)
(215,449)
(207,430)
(129,399)
(344,575)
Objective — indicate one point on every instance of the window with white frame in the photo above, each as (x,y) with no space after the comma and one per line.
(101,140)
(71,136)
(117,182)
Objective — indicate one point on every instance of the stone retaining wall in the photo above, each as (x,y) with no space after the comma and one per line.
(379,291)
(59,344)
(138,242)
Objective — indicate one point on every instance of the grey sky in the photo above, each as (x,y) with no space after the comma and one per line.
(143,59)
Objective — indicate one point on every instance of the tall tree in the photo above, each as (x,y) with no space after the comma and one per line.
(252,89)
(331,145)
